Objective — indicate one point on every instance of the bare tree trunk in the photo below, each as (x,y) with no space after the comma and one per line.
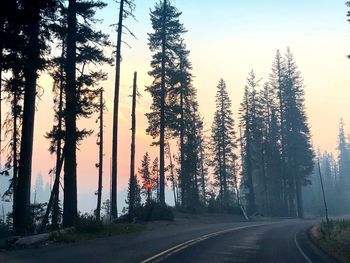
(15,112)
(70,210)
(132,152)
(172,175)
(22,212)
(59,157)
(51,204)
(182,166)
(114,209)
(100,161)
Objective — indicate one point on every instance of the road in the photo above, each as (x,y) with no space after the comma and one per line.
(278,241)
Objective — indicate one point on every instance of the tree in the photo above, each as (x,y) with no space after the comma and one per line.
(133,177)
(35,46)
(84,47)
(100,156)
(276,83)
(146,176)
(344,165)
(223,138)
(163,42)
(299,150)
(126,8)
(70,210)
(246,147)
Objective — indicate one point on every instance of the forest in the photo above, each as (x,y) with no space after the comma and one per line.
(263,163)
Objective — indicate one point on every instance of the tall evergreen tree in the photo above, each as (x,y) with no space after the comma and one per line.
(223,142)
(344,166)
(299,150)
(146,176)
(163,42)
(35,17)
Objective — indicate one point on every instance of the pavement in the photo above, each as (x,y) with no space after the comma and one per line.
(269,241)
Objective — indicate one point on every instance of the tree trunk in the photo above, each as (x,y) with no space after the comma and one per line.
(70,211)
(15,112)
(182,166)
(172,176)
(202,172)
(132,152)
(53,198)
(223,133)
(100,161)
(22,212)
(114,209)
(59,157)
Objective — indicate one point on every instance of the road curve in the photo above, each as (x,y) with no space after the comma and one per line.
(279,241)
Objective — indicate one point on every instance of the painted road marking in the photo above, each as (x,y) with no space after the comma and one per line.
(171,251)
(308,260)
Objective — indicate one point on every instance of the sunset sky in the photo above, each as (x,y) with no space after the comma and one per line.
(227,38)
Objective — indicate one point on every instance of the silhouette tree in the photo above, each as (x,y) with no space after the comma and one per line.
(100,155)
(163,42)
(146,176)
(34,29)
(133,177)
(223,142)
(126,9)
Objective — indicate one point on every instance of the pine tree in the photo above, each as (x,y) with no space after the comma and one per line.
(70,209)
(248,124)
(35,17)
(146,176)
(299,150)
(84,47)
(163,42)
(223,142)
(277,84)
(344,166)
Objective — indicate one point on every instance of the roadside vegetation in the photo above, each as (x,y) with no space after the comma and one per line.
(333,238)
(88,227)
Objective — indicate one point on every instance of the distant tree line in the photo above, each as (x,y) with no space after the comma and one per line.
(335,172)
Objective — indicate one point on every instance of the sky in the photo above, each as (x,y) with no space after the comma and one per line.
(227,39)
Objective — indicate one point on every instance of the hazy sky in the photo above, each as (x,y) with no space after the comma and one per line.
(227,38)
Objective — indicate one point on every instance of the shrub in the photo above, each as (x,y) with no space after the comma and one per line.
(154,211)
(87,223)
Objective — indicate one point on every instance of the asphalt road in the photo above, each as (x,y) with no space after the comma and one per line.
(279,241)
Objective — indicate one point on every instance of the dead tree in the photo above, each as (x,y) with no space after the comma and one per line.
(100,158)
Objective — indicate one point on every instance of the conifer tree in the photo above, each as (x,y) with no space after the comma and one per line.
(299,150)
(223,142)
(146,176)
(34,19)
(163,42)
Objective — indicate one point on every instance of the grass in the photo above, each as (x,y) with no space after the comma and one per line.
(334,238)
(103,231)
